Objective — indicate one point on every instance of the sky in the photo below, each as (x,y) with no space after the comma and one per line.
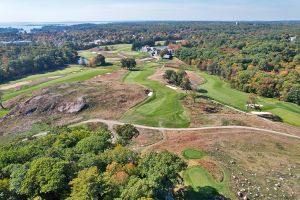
(140,10)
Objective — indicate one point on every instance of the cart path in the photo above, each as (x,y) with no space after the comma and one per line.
(111,123)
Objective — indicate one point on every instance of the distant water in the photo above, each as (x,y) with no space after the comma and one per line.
(28,26)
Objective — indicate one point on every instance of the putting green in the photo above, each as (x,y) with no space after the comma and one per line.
(204,185)
(193,154)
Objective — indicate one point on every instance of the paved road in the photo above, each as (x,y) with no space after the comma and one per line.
(111,123)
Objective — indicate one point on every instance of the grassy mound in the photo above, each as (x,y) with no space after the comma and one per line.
(193,154)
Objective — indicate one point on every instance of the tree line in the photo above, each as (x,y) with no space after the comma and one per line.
(20,60)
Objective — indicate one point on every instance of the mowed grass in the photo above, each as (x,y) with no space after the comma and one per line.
(87,54)
(82,75)
(193,154)
(61,72)
(163,109)
(221,91)
(204,185)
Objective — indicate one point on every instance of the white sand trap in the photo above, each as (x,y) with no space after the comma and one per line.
(12,86)
(150,94)
(172,87)
(55,77)
(108,73)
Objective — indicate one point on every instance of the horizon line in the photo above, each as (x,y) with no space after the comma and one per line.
(113,21)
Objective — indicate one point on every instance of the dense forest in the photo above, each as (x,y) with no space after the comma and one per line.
(20,60)
(81,164)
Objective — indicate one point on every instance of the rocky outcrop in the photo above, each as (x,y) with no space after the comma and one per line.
(73,107)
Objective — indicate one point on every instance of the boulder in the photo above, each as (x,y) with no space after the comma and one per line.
(73,107)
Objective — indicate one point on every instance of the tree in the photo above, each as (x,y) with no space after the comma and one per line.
(17,176)
(4,189)
(1,99)
(252,99)
(137,188)
(294,94)
(163,170)
(93,144)
(164,52)
(88,185)
(168,73)
(46,176)
(128,63)
(99,60)
(181,74)
(126,133)
(186,84)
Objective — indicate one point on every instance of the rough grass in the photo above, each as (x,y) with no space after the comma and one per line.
(222,92)
(163,109)
(204,185)
(3,112)
(82,75)
(193,154)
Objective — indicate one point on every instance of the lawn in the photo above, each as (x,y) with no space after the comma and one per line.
(83,74)
(221,91)
(193,154)
(204,186)
(163,109)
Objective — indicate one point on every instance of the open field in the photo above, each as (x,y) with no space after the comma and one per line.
(163,109)
(221,91)
(83,74)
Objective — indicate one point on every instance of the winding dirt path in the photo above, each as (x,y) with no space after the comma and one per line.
(111,123)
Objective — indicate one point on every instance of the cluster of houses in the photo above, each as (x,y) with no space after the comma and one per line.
(156,52)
